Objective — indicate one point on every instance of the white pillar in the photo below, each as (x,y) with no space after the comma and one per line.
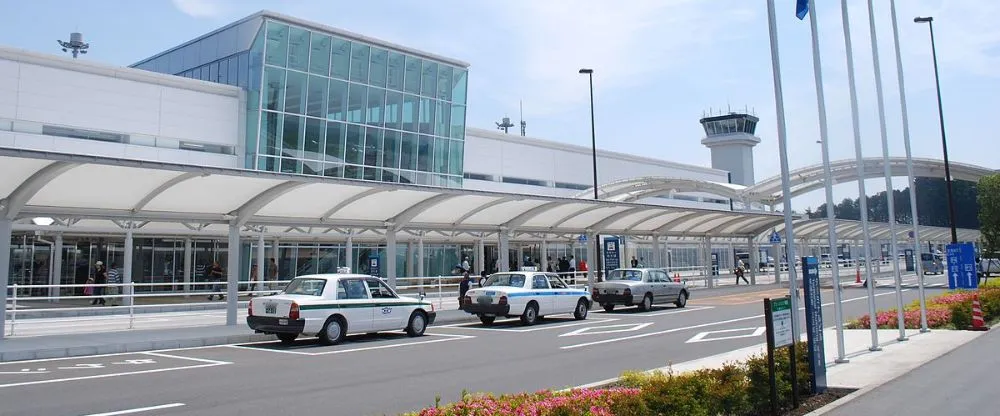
(520,256)
(754,259)
(350,251)
(127,263)
(188,264)
(409,259)
(390,260)
(261,272)
(57,260)
(504,253)
(655,259)
(480,256)
(707,250)
(421,272)
(592,262)
(5,230)
(776,254)
(233,273)
(543,260)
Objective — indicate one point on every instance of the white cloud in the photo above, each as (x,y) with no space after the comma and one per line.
(198,8)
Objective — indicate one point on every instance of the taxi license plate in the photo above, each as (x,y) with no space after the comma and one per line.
(282,322)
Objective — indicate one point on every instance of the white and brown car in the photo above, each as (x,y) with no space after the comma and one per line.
(642,287)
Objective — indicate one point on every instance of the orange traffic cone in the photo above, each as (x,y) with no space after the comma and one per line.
(978,324)
(677,277)
(857,276)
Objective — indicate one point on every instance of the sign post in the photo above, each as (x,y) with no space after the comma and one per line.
(814,323)
(612,254)
(962,266)
(778,320)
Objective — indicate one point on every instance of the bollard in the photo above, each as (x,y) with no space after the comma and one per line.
(13,311)
(131,305)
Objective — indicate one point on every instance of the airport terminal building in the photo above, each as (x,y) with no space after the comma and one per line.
(275,93)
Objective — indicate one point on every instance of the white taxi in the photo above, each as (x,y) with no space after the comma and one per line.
(332,306)
(528,294)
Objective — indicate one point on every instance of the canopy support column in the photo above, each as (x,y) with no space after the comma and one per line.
(543,260)
(409,259)
(592,259)
(233,273)
(390,257)
(753,260)
(420,256)
(5,230)
(127,264)
(260,260)
(57,260)
(188,264)
(656,261)
(349,254)
(504,250)
(480,255)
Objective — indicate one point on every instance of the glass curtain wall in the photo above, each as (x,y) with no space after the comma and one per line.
(342,108)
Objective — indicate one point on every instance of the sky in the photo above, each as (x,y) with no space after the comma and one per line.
(659,66)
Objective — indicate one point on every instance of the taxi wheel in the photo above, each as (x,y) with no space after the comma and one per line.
(530,315)
(647,303)
(581,310)
(608,307)
(333,331)
(418,323)
(487,320)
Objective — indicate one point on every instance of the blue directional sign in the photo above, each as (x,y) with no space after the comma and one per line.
(962,266)
(374,266)
(612,254)
(582,238)
(775,238)
(814,323)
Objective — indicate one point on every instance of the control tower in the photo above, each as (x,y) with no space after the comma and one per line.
(731,139)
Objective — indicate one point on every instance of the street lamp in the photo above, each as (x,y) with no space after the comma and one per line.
(593,147)
(944,140)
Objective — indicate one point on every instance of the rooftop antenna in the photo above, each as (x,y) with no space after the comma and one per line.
(504,124)
(76,44)
(524,124)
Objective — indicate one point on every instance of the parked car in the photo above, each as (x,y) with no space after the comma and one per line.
(332,306)
(529,295)
(642,287)
(931,264)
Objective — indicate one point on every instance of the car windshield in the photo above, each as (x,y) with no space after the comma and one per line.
(512,280)
(634,275)
(311,287)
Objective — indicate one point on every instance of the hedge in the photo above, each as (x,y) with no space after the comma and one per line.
(949,310)
(737,388)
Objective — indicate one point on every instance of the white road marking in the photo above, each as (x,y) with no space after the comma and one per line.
(139,410)
(177,357)
(671,312)
(208,363)
(533,329)
(700,337)
(669,331)
(448,337)
(597,330)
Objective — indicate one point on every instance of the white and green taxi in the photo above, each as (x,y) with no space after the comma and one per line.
(528,294)
(331,306)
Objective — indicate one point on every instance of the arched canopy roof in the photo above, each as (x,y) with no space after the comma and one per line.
(817,229)
(85,188)
(811,178)
(633,189)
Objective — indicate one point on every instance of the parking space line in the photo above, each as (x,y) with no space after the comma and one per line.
(675,311)
(139,410)
(177,357)
(447,337)
(536,328)
(60,380)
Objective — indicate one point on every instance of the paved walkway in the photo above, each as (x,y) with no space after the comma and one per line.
(963,381)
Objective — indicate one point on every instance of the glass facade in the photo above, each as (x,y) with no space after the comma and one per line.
(321,104)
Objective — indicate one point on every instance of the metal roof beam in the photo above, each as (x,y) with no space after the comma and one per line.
(403,218)
(11,206)
(163,188)
(259,201)
(350,200)
(602,224)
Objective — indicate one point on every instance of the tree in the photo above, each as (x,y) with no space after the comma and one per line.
(989,213)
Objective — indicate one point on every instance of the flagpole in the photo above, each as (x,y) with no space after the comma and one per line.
(909,171)
(828,182)
(890,198)
(786,194)
(860,166)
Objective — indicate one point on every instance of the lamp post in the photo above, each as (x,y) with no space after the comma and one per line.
(944,140)
(593,148)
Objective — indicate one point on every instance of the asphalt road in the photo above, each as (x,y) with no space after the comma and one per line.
(961,382)
(391,373)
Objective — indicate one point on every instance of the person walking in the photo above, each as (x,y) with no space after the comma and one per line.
(216,274)
(740,269)
(463,288)
(114,278)
(100,279)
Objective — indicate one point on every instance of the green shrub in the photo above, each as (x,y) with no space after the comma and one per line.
(961,314)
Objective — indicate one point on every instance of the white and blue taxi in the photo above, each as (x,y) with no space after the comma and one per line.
(529,295)
(332,306)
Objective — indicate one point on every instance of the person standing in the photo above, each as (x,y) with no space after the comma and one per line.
(100,279)
(463,288)
(114,278)
(254,280)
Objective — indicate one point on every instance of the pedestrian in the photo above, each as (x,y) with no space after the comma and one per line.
(100,279)
(740,267)
(463,288)
(215,273)
(254,280)
(114,279)
(634,262)
(482,278)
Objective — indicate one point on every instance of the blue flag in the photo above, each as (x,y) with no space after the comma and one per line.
(801,9)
